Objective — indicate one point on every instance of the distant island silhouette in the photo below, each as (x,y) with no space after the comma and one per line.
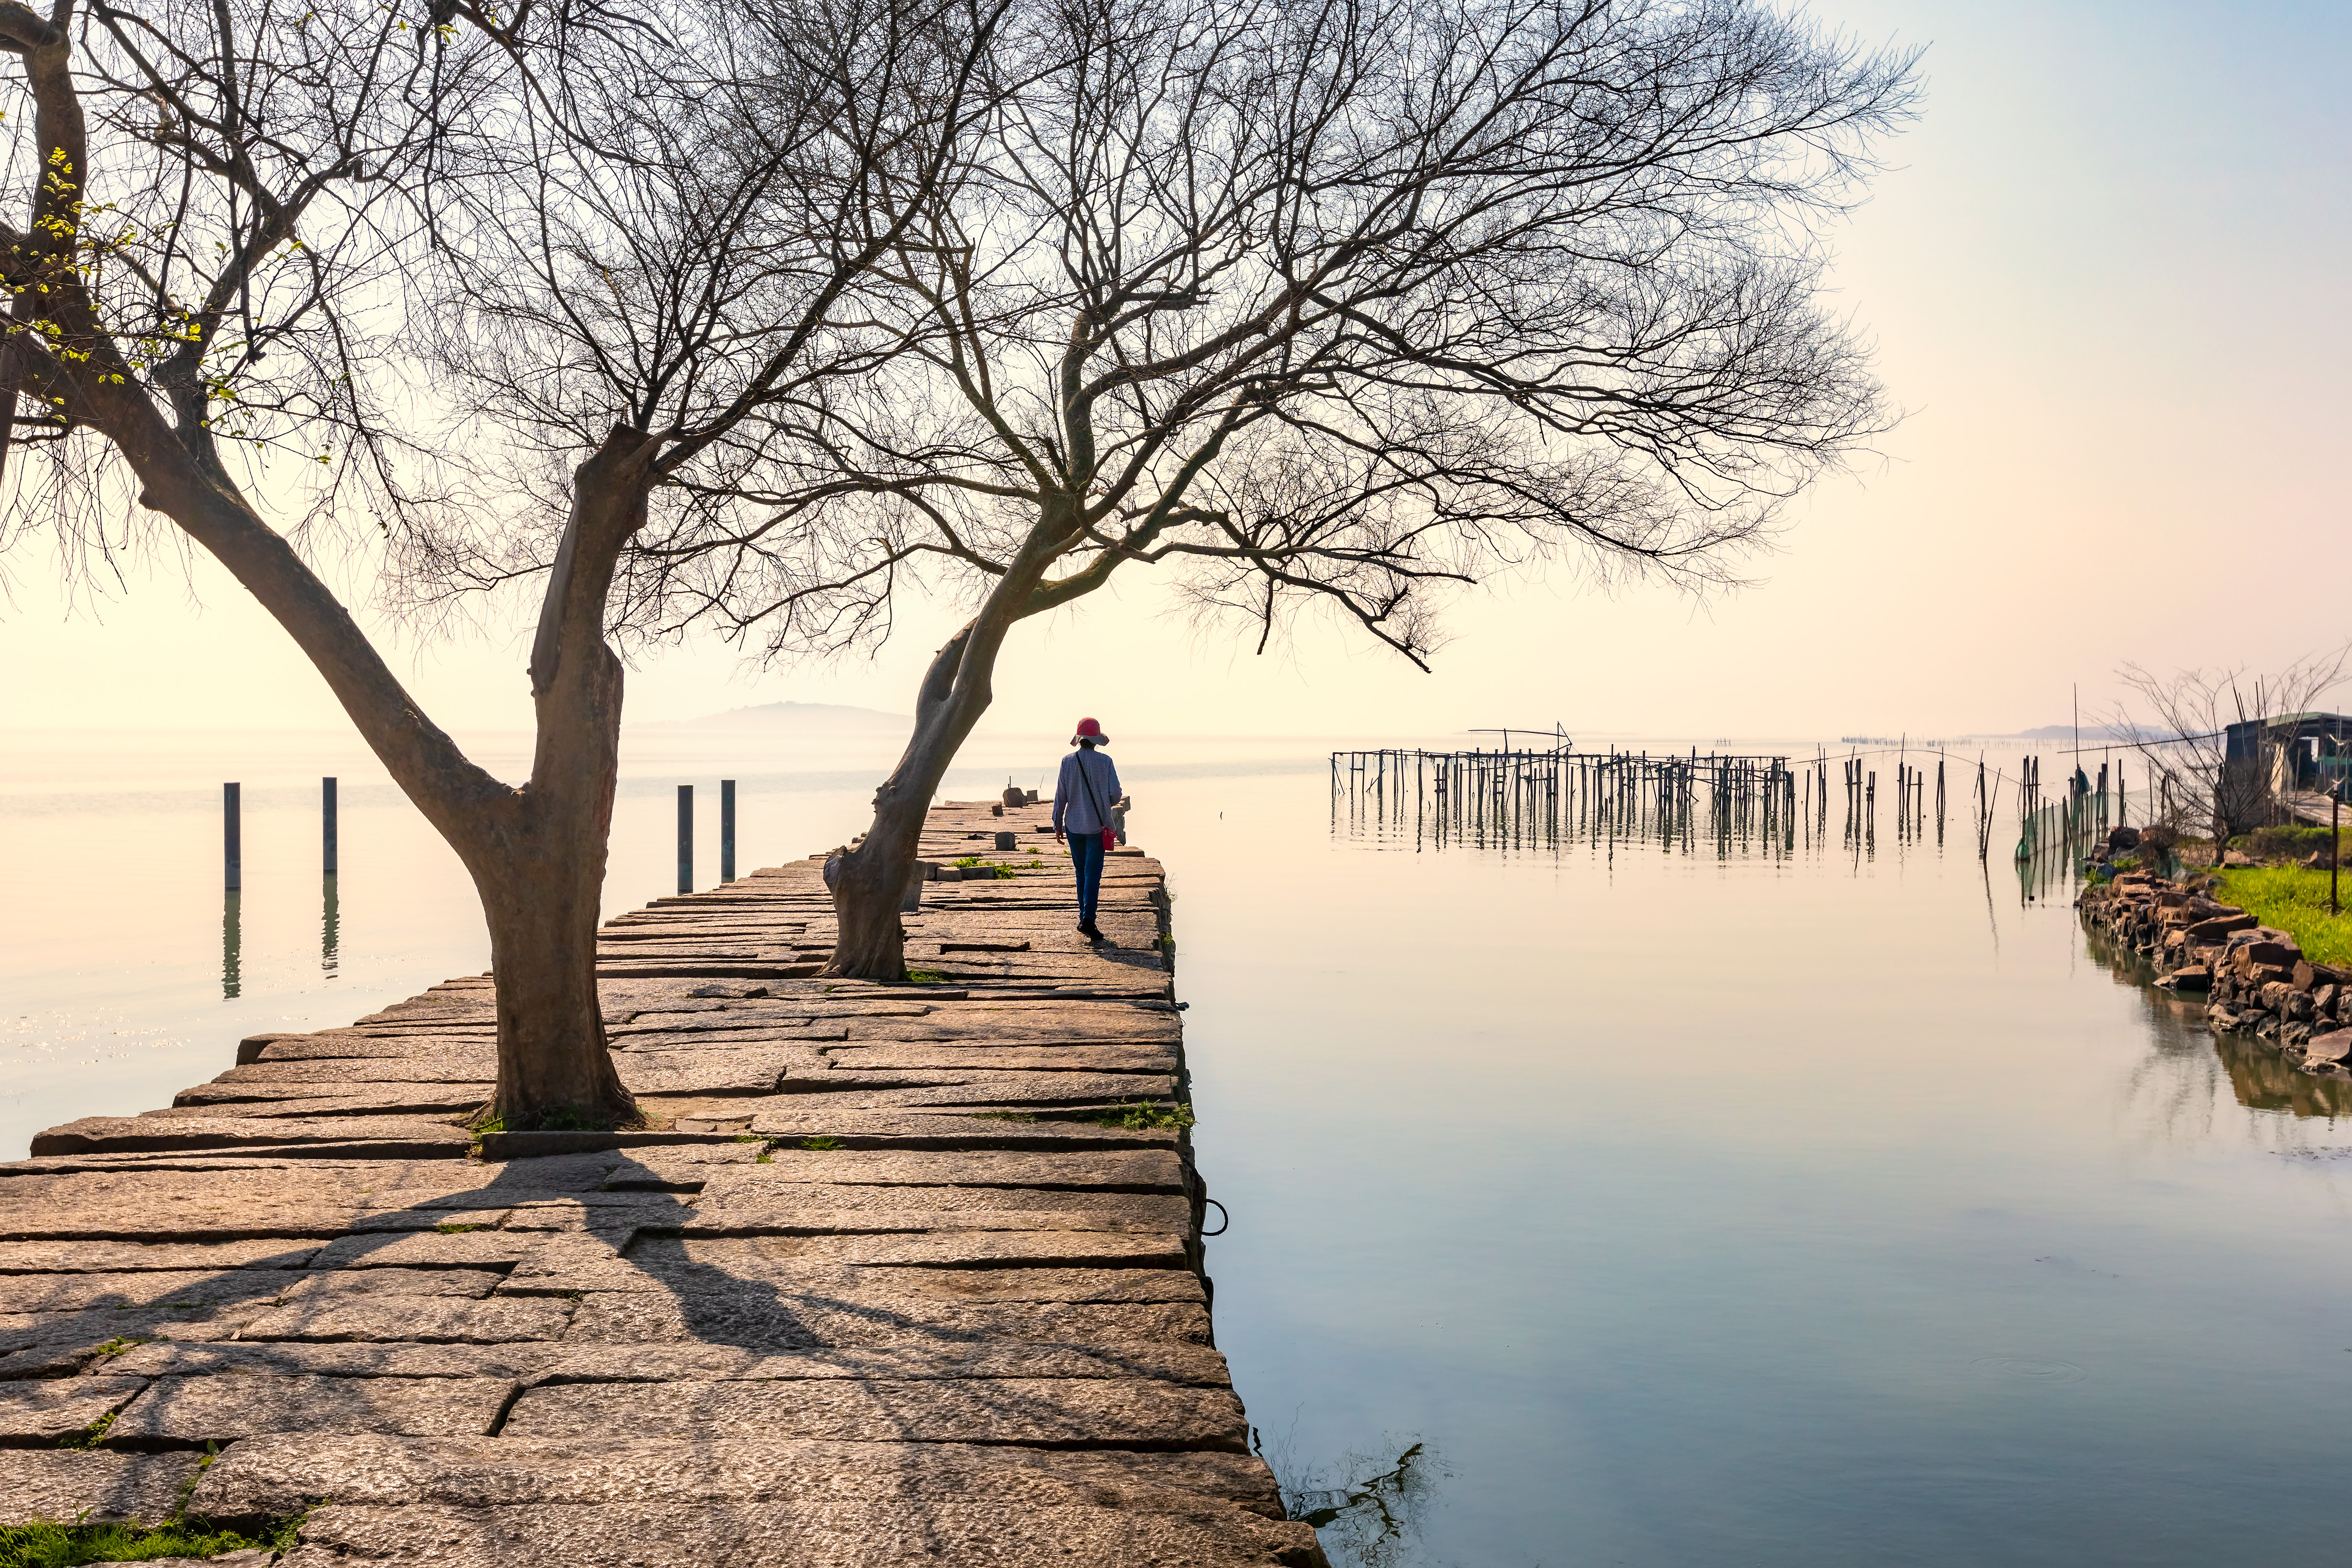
(803,716)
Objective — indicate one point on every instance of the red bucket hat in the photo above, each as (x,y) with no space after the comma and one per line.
(1091,730)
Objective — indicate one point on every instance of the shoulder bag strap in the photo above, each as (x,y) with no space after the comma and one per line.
(1102,818)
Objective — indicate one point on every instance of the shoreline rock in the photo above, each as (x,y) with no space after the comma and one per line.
(2255,979)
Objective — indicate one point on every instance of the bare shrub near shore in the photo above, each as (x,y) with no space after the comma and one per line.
(2180,728)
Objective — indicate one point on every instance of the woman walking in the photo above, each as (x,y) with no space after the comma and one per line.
(1082,802)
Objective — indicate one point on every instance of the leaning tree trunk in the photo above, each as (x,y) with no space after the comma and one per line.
(870,879)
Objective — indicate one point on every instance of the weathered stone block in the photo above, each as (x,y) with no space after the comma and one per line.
(759,1317)
(226,1405)
(132,1256)
(346,1284)
(150,1288)
(382,1138)
(477,1250)
(272,1475)
(425,1320)
(2329,1050)
(46,1410)
(1061,1412)
(288,1358)
(739,1535)
(105,1488)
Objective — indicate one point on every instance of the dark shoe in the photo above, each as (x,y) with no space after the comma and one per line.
(1087,929)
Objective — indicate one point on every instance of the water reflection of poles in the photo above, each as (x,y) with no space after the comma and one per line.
(232,979)
(331,862)
(232,885)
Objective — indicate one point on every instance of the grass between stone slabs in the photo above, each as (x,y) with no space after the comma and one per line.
(92,1435)
(1140,1114)
(1001,872)
(562,1119)
(49,1544)
(45,1544)
(2294,901)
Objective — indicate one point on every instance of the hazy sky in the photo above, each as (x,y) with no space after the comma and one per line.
(2106,276)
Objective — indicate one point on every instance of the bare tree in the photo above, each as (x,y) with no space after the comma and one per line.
(1345,304)
(2179,725)
(256,236)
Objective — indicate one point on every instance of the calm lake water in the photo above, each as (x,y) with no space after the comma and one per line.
(1648,1208)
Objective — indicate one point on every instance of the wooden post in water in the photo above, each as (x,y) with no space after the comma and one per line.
(327,846)
(686,838)
(726,830)
(232,838)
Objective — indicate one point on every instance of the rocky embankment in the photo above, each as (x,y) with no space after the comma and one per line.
(2254,978)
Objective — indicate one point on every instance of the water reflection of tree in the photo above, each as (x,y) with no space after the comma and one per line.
(1369,1508)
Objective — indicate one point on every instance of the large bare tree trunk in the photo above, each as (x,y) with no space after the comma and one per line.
(536,854)
(540,900)
(539,867)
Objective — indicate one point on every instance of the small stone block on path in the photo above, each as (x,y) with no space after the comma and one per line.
(226,1407)
(47,1410)
(69,1484)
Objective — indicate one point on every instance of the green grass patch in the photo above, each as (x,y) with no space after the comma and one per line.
(120,1343)
(1141,1114)
(45,1544)
(823,1145)
(455,1228)
(90,1437)
(562,1119)
(924,976)
(2294,901)
(2284,840)
(1001,871)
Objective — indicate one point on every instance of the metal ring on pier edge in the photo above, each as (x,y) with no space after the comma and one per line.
(1211,1203)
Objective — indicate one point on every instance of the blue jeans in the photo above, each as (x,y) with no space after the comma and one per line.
(1086,854)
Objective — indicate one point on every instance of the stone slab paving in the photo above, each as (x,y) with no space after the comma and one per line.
(880,1280)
